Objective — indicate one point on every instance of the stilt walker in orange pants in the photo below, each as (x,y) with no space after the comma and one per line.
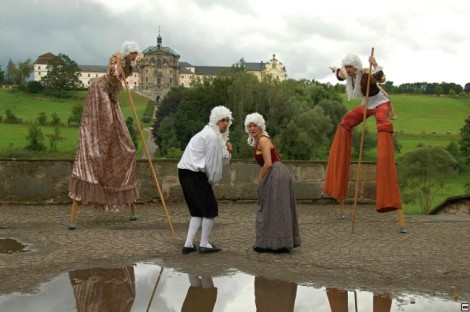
(378,105)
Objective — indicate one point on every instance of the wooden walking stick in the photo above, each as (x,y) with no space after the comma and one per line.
(154,289)
(131,102)
(366,102)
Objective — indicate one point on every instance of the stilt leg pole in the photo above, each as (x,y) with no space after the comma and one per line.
(73,215)
(366,102)
(154,175)
(341,209)
(133,214)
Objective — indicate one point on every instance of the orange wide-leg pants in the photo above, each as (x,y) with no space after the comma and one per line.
(337,173)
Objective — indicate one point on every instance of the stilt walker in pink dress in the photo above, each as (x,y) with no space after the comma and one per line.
(103,174)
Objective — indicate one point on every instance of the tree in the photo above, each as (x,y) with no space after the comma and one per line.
(62,73)
(423,171)
(465,140)
(25,69)
(10,117)
(12,72)
(467,87)
(19,74)
(34,87)
(76,116)
(132,131)
(2,76)
(369,140)
(35,139)
(335,110)
(54,138)
(304,135)
(42,118)
(55,120)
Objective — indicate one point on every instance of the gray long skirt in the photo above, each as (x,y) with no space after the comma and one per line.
(276,215)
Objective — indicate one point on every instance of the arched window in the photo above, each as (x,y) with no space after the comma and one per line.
(159,63)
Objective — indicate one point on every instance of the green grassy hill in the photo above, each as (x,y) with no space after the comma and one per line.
(426,120)
(28,107)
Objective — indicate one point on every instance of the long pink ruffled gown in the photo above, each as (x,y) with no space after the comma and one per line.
(103,174)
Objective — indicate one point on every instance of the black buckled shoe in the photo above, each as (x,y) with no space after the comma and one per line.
(259,249)
(187,250)
(208,249)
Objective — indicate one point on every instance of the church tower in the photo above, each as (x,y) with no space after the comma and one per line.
(159,70)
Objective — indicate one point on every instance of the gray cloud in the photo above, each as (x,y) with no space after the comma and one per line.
(407,36)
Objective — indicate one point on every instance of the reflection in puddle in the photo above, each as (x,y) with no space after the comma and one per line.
(274,295)
(103,289)
(148,287)
(10,246)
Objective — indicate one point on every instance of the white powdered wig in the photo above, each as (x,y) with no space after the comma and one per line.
(128,47)
(218,113)
(353,86)
(353,60)
(258,120)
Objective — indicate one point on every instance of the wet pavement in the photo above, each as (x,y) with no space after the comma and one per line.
(432,259)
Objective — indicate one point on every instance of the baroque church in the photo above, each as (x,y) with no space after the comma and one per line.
(161,70)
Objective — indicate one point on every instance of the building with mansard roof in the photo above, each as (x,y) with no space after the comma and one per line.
(86,74)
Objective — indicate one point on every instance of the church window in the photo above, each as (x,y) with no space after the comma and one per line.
(159,63)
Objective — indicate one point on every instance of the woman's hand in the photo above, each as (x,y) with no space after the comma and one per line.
(229,147)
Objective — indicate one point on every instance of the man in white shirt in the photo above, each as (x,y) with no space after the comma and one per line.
(199,169)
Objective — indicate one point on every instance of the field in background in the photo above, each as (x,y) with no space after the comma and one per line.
(29,107)
(426,120)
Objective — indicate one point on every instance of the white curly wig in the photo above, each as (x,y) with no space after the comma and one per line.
(258,120)
(353,92)
(353,60)
(218,113)
(128,47)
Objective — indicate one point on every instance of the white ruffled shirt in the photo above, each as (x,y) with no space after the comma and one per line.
(204,153)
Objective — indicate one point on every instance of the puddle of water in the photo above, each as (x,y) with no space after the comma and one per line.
(148,287)
(10,246)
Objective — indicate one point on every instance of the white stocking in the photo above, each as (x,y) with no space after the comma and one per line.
(206,231)
(194,225)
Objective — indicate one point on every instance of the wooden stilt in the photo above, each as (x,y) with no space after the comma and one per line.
(73,215)
(401,221)
(133,214)
(341,209)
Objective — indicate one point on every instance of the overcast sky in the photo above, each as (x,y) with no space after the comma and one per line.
(414,40)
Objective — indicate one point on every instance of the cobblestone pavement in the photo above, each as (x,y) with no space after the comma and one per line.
(431,259)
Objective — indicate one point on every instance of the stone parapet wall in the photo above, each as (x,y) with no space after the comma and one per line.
(46,181)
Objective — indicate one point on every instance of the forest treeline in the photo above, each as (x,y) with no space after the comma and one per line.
(295,111)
